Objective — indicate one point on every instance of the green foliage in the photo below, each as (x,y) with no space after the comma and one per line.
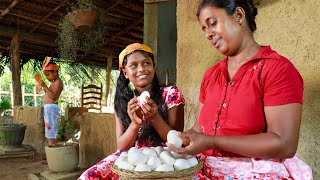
(82,5)
(4,105)
(66,128)
(72,40)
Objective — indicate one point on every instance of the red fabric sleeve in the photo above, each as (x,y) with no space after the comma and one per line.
(283,84)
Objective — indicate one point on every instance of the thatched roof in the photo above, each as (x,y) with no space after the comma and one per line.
(38,20)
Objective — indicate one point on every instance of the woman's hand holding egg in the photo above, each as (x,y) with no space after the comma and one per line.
(174,139)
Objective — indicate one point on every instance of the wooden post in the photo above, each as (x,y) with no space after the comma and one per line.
(34,96)
(11,95)
(108,75)
(15,68)
(23,94)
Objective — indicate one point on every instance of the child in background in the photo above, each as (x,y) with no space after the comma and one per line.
(50,100)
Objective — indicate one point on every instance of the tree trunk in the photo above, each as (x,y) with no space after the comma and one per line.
(15,68)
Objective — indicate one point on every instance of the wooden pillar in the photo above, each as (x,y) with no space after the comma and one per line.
(15,68)
(108,75)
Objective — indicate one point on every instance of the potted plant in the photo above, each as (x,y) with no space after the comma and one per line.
(74,38)
(83,14)
(11,134)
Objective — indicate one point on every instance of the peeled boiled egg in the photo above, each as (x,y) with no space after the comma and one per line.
(143,97)
(181,164)
(173,138)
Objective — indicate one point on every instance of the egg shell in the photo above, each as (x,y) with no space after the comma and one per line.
(135,158)
(167,158)
(159,150)
(143,167)
(181,164)
(193,161)
(143,97)
(173,138)
(165,168)
(125,165)
(120,158)
(149,152)
(154,162)
(124,153)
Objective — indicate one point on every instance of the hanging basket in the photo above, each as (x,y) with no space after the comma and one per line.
(82,19)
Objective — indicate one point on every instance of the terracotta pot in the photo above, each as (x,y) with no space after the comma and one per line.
(62,158)
(81,19)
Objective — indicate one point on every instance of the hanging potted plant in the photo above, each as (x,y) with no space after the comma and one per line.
(75,37)
(11,134)
(83,14)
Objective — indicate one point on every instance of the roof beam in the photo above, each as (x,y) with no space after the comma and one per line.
(7,10)
(124,30)
(48,15)
(40,39)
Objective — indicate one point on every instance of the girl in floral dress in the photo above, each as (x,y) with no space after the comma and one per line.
(250,102)
(140,124)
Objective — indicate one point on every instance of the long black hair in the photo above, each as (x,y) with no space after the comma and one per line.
(124,94)
(230,7)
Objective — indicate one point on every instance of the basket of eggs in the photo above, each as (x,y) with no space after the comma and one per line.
(156,162)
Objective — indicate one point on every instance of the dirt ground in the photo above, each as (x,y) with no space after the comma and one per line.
(19,168)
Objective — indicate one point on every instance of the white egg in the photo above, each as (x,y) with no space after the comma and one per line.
(154,162)
(181,164)
(133,149)
(167,158)
(125,165)
(149,152)
(124,153)
(136,158)
(120,158)
(143,97)
(173,138)
(164,168)
(159,150)
(193,161)
(142,167)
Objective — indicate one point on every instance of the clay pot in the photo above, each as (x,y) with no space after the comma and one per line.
(82,19)
(12,134)
(62,158)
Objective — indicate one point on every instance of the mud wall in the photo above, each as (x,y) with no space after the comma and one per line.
(292,28)
(98,137)
(32,117)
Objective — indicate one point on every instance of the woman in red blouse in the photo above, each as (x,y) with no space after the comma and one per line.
(250,102)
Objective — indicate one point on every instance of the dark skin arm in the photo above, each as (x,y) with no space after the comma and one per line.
(280,140)
(126,138)
(175,118)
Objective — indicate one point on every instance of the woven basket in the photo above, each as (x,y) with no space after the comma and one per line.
(185,174)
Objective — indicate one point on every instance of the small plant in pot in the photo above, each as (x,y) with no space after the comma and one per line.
(75,35)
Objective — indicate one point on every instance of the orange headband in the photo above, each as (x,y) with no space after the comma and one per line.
(51,67)
(131,48)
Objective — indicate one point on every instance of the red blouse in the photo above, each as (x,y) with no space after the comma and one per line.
(237,107)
